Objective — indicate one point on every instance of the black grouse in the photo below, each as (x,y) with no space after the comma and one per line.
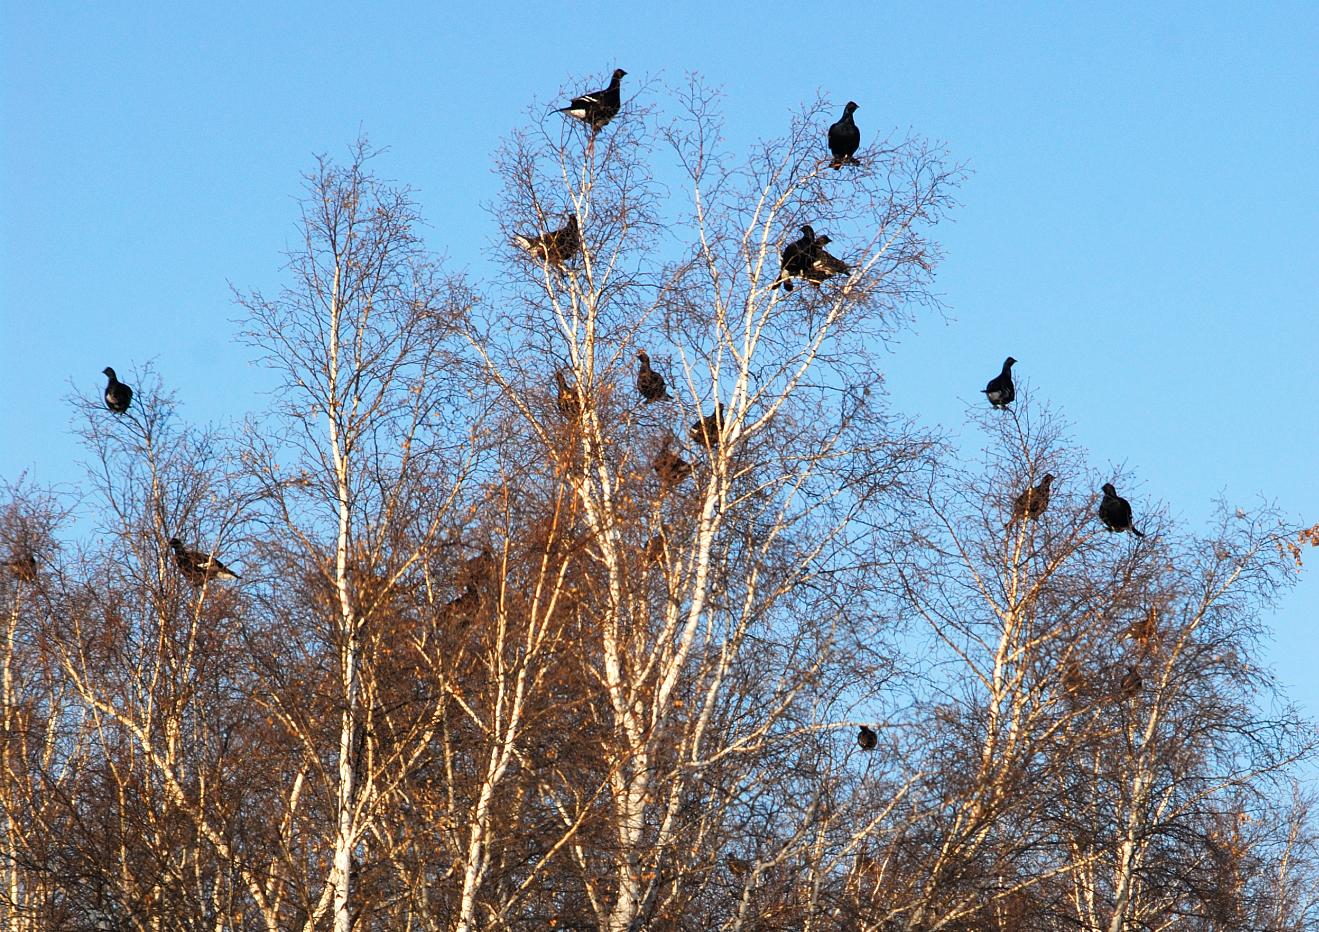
(844,138)
(23,564)
(1000,389)
(1032,502)
(1130,685)
(798,257)
(598,107)
(118,396)
(569,405)
(1115,511)
(199,567)
(555,247)
(823,264)
(867,739)
(649,382)
(706,431)
(671,468)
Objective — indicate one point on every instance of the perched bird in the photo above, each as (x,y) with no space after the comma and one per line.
(655,546)
(797,258)
(1000,389)
(844,138)
(23,564)
(867,739)
(823,264)
(118,396)
(706,431)
(671,468)
(649,382)
(1130,685)
(478,570)
(555,247)
(1144,631)
(1073,677)
(1115,511)
(462,609)
(738,867)
(199,567)
(598,107)
(570,406)
(1032,502)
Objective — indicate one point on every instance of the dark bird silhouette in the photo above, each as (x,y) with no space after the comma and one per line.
(823,264)
(555,247)
(1115,511)
(1144,631)
(198,567)
(1130,685)
(738,867)
(118,396)
(1073,677)
(1000,389)
(706,431)
(570,406)
(23,564)
(462,608)
(649,382)
(655,546)
(598,107)
(796,259)
(1032,502)
(844,138)
(478,570)
(671,468)
(867,739)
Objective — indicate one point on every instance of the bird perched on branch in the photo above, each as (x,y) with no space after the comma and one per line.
(671,468)
(867,739)
(23,564)
(796,258)
(1130,685)
(555,247)
(1000,391)
(649,382)
(598,107)
(844,138)
(823,265)
(118,396)
(570,406)
(706,431)
(1032,501)
(198,567)
(1115,511)
(463,608)
(478,570)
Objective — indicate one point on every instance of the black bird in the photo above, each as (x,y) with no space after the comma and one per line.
(22,564)
(478,570)
(1032,502)
(1073,677)
(1144,631)
(823,265)
(1000,389)
(671,468)
(462,609)
(1115,511)
(738,867)
(555,246)
(797,258)
(570,406)
(867,739)
(199,567)
(844,138)
(598,107)
(706,431)
(118,396)
(1130,685)
(649,382)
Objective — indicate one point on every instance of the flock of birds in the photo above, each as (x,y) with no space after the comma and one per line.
(804,258)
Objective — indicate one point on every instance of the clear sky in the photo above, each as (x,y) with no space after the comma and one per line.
(1141,228)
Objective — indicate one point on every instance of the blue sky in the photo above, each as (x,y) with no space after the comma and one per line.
(1140,229)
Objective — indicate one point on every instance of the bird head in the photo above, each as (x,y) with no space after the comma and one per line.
(619,74)
(1048,477)
(175,543)
(823,240)
(1008,363)
(1108,489)
(644,357)
(109,373)
(851,106)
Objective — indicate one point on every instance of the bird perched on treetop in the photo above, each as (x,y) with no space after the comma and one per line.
(1115,511)
(569,405)
(706,431)
(867,739)
(1032,502)
(598,107)
(1000,389)
(555,247)
(797,258)
(118,396)
(649,382)
(199,567)
(844,138)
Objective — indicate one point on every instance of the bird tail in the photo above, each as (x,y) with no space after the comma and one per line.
(522,241)
(1136,532)
(227,574)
